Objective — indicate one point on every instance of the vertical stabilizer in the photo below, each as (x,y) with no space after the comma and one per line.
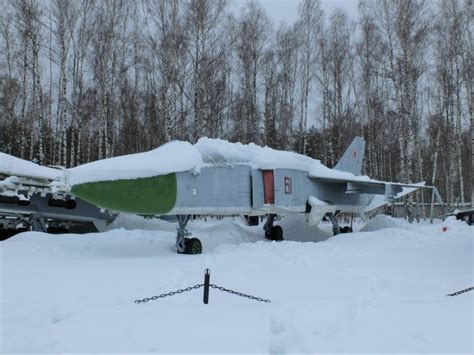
(353,157)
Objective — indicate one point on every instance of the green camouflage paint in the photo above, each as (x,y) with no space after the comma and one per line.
(147,196)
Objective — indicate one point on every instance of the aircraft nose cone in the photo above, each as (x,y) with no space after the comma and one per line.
(148,196)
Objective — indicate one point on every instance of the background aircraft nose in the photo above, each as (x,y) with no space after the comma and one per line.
(148,196)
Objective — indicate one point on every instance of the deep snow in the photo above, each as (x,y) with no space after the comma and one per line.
(377,291)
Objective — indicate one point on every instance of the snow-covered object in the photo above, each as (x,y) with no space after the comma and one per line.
(178,156)
(296,229)
(10,165)
(370,293)
(382,222)
(218,151)
(8,188)
(175,156)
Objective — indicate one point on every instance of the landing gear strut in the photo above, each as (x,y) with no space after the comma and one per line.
(186,245)
(272,232)
(336,228)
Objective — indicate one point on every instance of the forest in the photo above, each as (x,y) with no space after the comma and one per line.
(91,79)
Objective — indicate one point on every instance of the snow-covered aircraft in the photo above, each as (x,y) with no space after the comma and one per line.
(29,201)
(215,177)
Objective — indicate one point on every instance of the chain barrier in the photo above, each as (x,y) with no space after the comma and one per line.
(206,286)
(223,289)
(461,291)
(163,295)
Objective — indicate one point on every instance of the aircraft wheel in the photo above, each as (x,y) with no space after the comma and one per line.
(346,229)
(268,235)
(57,230)
(276,233)
(193,246)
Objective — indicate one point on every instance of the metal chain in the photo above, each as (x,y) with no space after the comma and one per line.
(259,299)
(461,292)
(154,298)
(239,293)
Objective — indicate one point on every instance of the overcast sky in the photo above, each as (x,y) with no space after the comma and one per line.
(287,10)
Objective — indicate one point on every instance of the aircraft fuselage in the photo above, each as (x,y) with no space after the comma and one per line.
(221,190)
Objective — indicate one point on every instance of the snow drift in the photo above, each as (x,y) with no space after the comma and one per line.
(374,292)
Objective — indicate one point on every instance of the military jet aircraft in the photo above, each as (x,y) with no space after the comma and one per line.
(216,177)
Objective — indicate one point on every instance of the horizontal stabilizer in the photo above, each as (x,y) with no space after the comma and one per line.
(404,189)
(353,157)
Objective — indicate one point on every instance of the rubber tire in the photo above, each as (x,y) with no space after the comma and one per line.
(193,246)
(57,230)
(268,235)
(277,233)
(346,229)
(251,220)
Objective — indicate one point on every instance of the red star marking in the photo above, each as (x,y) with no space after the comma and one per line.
(354,153)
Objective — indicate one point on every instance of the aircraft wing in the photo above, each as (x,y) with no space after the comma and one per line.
(385,192)
(348,171)
(364,185)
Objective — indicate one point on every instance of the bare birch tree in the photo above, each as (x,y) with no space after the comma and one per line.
(309,30)
(252,36)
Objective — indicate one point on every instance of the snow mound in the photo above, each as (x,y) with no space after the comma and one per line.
(213,233)
(133,222)
(296,229)
(377,292)
(382,221)
(224,234)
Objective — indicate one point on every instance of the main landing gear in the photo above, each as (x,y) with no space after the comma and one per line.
(186,245)
(336,228)
(272,232)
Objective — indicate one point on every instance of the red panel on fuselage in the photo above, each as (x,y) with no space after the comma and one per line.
(268,186)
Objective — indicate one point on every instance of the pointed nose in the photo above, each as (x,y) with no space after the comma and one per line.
(148,196)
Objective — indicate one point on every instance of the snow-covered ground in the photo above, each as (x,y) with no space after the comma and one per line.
(382,290)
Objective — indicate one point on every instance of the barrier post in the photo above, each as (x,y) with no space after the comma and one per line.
(207,281)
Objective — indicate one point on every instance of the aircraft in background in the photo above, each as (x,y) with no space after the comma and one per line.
(215,177)
(28,201)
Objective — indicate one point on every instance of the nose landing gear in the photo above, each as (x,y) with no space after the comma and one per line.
(186,245)
(272,232)
(192,246)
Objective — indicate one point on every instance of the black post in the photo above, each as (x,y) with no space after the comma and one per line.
(207,281)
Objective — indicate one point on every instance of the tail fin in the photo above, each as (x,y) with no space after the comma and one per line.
(353,157)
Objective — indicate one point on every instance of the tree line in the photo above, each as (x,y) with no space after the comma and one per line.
(91,79)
